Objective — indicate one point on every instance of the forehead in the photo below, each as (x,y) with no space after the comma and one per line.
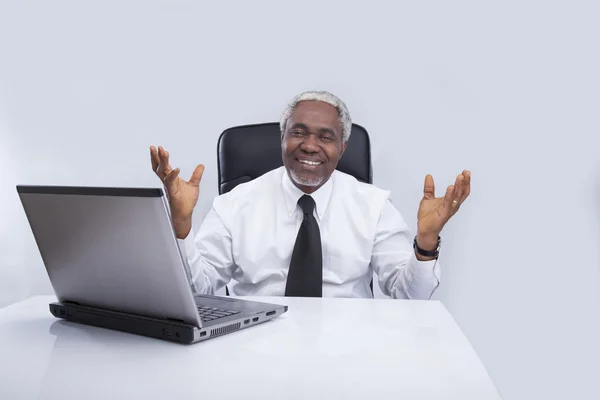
(316,115)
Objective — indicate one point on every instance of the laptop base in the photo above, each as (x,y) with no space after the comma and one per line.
(169,330)
(155,328)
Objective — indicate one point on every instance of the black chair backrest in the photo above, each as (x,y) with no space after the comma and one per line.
(249,151)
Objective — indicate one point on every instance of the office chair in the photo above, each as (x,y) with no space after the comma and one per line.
(249,151)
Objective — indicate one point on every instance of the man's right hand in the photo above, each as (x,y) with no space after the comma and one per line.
(182,195)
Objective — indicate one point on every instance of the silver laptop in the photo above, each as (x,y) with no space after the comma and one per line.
(113,260)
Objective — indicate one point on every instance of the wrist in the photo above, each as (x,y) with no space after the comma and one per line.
(427,242)
(423,250)
(182,228)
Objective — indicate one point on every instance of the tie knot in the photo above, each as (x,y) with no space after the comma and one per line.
(307,204)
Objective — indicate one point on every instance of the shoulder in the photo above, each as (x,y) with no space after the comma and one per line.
(249,191)
(362,203)
(350,187)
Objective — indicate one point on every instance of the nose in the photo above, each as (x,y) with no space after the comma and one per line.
(309,144)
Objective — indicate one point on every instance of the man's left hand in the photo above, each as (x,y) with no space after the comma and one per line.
(434,212)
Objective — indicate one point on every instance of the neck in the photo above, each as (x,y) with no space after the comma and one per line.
(307,189)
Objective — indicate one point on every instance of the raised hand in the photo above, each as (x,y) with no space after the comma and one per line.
(182,195)
(434,212)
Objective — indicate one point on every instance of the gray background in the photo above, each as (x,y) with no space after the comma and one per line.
(509,90)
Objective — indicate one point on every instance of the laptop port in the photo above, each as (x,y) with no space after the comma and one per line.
(254,319)
(246,322)
(271,313)
(202,333)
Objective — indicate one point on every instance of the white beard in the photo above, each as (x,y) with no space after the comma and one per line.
(316,181)
(301,181)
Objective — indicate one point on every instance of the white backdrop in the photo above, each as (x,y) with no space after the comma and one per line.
(508,90)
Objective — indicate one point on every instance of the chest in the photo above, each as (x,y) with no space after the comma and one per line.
(263,238)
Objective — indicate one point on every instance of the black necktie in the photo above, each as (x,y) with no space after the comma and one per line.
(305,276)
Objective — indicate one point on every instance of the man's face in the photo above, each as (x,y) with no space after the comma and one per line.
(312,144)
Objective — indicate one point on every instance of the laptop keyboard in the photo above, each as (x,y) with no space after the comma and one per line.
(212,313)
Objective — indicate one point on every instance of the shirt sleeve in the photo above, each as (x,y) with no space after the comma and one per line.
(401,275)
(208,255)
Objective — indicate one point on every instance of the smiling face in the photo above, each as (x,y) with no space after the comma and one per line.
(312,144)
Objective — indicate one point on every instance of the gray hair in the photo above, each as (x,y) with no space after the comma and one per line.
(324,97)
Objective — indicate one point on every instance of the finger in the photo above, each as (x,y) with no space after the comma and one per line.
(160,167)
(458,191)
(154,159)
(170,179)
(197,175)
(447,202)
(429,187)
(161,154)
(168,168)
(466,186)
(164,167)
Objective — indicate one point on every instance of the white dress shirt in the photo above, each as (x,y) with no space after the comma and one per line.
(247,238)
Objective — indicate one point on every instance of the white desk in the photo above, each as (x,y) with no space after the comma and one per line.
(339,349)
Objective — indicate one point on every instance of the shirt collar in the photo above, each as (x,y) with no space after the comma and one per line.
(291,194)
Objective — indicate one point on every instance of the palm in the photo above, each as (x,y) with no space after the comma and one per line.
(183,195)
(434,212)
(431,216)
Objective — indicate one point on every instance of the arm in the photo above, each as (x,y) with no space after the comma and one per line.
(209,255)
(401,275)
(208,258)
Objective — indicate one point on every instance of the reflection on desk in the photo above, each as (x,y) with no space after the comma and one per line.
(321,348)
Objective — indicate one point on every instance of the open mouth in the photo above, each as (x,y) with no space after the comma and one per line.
(308,164)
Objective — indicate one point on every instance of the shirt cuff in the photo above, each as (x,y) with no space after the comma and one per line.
(188,246)
(425,270)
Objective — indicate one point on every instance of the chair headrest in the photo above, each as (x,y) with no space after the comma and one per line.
(249,151)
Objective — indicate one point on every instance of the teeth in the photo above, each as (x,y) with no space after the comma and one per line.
(310,162)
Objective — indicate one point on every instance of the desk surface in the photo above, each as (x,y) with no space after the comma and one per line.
(319,349)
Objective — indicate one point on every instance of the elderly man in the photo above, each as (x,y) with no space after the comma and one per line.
(306,229)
